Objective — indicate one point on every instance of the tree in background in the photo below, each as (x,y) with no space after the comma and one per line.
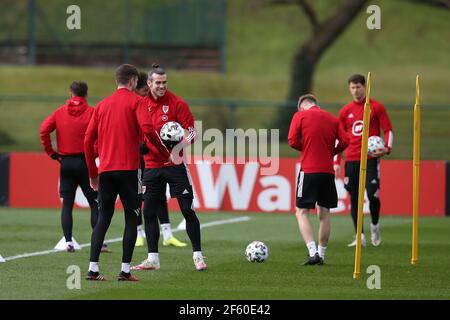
(323,35)
(308,54)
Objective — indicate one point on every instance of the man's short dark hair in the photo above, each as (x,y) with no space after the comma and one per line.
(156,69)
(357,78)
(125,73)
(142,80)
(79,89)
(309,97)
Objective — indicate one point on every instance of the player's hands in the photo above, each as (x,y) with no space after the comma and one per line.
(94,183)
(337,169)
(169,160)
(379,152)
(56,156)
(143,149)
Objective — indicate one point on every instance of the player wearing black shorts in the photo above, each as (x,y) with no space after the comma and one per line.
(350,119)
(314,132)
(162,106)
(70,122)
(163,214)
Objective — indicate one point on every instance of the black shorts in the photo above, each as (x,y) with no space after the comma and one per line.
(315,188)
(351,179)
(178,177)
(73,172)
(124,183)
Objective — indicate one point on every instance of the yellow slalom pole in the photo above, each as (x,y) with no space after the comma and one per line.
(362,180)
(416,176)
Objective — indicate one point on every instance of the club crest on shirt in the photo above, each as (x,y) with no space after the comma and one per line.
(164,117)
(165,109)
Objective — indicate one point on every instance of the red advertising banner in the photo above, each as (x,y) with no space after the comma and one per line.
(242,187)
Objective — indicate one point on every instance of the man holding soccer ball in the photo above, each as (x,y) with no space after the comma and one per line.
(142,90)
(161,107)
(351,120)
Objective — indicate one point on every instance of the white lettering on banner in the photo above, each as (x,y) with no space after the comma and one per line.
(277,198)
(276,194)
(213,192)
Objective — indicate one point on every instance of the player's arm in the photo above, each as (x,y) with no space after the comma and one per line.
(294,135)
(47,127)
(386,126)
(149,131)
(342,141)
(90,153)
(338,157)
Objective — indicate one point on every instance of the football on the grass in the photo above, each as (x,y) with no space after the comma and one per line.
(257,251)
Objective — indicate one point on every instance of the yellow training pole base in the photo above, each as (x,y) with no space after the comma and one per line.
(356,275)
(414,262)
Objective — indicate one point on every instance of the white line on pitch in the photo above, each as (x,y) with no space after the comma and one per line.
(203,225)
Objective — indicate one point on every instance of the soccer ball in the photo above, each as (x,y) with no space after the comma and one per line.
(257,251)
(375,143)
(171,131)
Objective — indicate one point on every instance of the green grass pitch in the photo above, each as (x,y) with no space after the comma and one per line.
(229,275)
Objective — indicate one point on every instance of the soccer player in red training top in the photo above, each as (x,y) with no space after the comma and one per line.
(351,120)
(317,134)
(70,122)
(162,106)
(163,214)
(115,127)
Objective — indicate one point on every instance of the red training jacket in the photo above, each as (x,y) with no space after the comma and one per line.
(351,120)
(314,132)
(167,108)
(70,121)
(115,127)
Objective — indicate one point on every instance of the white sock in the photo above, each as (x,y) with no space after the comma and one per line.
(322,251)
(166,231)
(93,266)
(153,256)
(140,231)
(363,237)
(311,248)
(197,255)
(126,267)
(375,227)
(69,243)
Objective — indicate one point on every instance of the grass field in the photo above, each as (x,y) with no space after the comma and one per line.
(229,275)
